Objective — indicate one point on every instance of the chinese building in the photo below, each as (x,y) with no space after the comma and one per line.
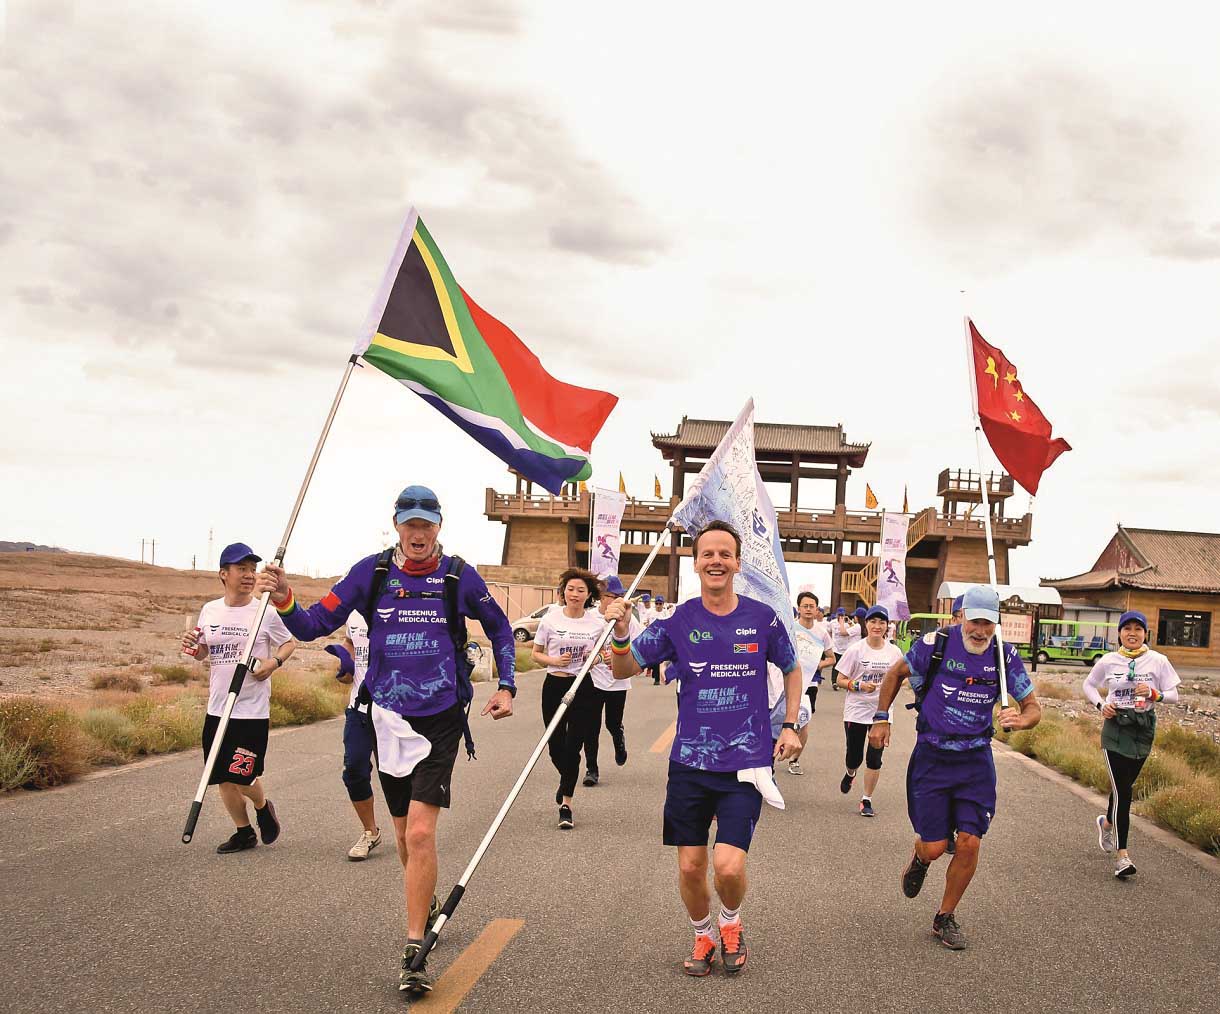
(1173,578)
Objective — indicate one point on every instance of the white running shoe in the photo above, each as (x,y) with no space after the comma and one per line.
(365,844)
(1105,835)
(794,768)
(1124,868)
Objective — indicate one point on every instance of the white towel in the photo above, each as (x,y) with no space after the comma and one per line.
(764,780)
(399,747)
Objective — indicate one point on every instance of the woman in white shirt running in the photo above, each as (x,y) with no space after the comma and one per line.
(564,639)
(1134,679)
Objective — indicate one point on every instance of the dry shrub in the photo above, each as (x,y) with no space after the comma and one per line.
(17,763)
(51,738)
(525,661)
(1201,752)
(125,681)
(175,674)
(1055,691)
(302,702)
(1191,810)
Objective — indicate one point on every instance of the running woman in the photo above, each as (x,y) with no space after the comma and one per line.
(610,695)
(718,646)
(219,639)
(413,682)
(357,735)
(951,774)
(814,654)
(562,642)
(860,672)
(1134,679)
(841,638)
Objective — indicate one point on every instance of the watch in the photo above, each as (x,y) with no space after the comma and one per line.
(789,725)
(512,691)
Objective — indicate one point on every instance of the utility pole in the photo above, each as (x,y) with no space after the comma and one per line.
(154,552)
(209,548)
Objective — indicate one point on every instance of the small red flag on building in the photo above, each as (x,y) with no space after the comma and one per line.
(1019,434)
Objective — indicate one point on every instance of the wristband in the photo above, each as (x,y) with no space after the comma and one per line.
(855,684)
(788,725)
(512,690)
(1156,694)
(285,606)
(881,716)
(624,650)
(620,642)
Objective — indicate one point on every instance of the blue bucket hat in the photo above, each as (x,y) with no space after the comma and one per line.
(981,602)
(614,587)
(1133,616)
(238,552)
(878,612)
(417,502)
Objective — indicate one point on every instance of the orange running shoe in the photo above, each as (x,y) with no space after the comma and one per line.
(702,958)
(732,947)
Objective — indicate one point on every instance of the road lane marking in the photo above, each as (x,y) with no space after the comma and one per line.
(665,740)
(460,977)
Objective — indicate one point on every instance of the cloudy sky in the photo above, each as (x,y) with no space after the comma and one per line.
(197,203)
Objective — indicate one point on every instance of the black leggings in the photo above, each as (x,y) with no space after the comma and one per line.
(569,735)
(613,701)
(857,737)
(812,694)
(1123,773)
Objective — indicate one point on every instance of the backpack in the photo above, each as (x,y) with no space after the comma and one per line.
(934,664)
(455,624)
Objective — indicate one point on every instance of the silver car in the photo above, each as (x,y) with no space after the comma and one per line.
(525,628)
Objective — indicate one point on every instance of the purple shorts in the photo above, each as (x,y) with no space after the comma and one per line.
(950,790)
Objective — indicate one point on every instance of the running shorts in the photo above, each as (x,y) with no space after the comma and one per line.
(242,750)
(950,790)
(693,797)
(430,781)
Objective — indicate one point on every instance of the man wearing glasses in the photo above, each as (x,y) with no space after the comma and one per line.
(418,690)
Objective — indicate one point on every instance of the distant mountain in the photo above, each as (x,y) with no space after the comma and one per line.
(28,547)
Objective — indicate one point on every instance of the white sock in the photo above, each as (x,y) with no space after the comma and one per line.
(703,927)
(866,799)
(727,916)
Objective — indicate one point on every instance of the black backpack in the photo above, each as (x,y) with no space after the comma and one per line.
(934,664)
(455,624)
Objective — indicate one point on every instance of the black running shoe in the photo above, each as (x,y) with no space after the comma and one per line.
(591,777)
(268,823)
(913,875)
(419,982)
(620,747)
(243,838)
(566,823)
(845,784)
(866,808)
(950,933)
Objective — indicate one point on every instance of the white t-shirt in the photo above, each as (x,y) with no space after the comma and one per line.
(870,665)
(840,641)
(603,678)
(358,634)
(1109,676)
(559,634)
(647,615)
(810,649)
(224,631)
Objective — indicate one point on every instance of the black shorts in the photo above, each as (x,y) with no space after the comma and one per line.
(430,781)
(240,760)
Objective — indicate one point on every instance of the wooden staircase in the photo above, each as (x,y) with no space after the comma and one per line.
(863,582)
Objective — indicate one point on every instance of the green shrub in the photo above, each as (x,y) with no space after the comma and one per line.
(1191,810)
(51,738)
(304,702)
(178,674)
(525,660)
(1200,752)
(17,764)
(124,681)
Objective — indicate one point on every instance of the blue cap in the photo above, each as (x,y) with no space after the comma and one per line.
(840,611)
(878,612)
(238,552)
(417,502)
(1133,616)
(981,602)
(344,656)
(614,587)
(957,605)
(860,612)
(646,596)
(660,598)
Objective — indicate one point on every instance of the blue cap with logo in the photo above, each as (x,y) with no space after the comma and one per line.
(1133,616)
(238,552)
(878,612)
(614,587)
(646,596)
(417,502)
(981,602)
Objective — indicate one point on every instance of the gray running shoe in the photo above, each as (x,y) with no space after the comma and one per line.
(591,777)
(950,933)
(1124,868)
(365,844)
(416,983)
(1105,835)
(794,768)
(913,876)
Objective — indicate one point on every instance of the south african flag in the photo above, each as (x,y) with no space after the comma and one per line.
(430,336)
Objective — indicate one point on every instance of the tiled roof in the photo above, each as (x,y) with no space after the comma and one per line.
(705,434)
(1177,561)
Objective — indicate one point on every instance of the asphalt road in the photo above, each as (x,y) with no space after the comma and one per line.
(105,910)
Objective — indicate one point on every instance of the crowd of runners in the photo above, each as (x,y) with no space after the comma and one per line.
(746,694)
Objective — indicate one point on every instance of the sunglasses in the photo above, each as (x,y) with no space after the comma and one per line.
(410,504)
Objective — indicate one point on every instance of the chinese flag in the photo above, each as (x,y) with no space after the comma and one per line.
(1015,427)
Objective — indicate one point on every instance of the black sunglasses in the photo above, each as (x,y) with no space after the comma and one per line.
(410,504)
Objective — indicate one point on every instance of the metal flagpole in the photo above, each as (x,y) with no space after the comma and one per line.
(455,895)
(243,667)
(991,570)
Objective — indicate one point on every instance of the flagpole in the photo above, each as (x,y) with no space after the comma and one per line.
(592,496)
(991,568)
(455,895)
(243,667)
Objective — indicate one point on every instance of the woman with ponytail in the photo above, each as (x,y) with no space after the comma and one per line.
(1134,680)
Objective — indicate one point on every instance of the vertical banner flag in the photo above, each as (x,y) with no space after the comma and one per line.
(1019,434)
(430,336)
(656,486)
(906,503)
(870,498)
(608,507)
(622,486)
(892,575)
(730,489)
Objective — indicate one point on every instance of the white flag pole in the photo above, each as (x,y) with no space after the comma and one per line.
(991,568)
